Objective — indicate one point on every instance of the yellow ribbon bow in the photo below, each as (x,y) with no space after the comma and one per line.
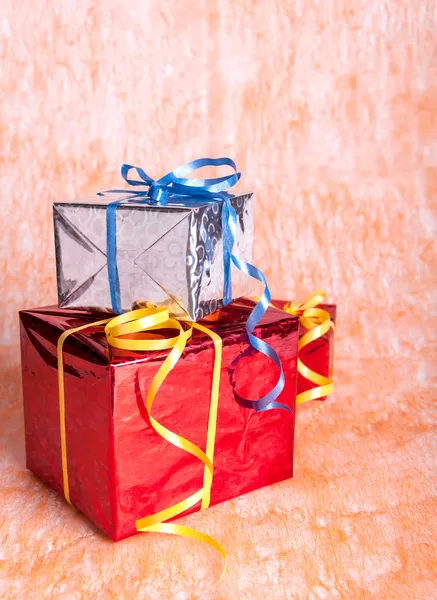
(148,320)
(317,322)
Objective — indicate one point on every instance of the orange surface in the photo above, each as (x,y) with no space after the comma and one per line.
(330,110)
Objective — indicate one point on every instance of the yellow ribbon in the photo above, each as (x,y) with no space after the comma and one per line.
(148,320)
(317,322)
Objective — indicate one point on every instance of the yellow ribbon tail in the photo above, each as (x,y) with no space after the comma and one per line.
(324,385)
(317,322)
(156,522)
(192,533)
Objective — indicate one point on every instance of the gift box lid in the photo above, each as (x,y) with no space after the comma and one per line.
(230,325)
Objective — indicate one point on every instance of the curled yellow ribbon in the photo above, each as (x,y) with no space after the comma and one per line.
(317,322)
(148,320)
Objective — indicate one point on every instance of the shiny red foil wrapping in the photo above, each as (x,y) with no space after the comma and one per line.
(119,468)
(319,355)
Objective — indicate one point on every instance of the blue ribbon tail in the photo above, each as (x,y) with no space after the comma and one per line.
(267,402)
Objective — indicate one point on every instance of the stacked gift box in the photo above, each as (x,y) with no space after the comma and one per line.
(138,387)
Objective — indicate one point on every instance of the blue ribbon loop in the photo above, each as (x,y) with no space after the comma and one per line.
(177,188)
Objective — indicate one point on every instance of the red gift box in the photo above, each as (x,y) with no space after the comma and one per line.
(120,469)
(317,355)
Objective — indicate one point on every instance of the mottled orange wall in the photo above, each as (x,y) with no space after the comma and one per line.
(330,109)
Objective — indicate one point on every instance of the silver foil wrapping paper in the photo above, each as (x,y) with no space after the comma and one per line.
(165,254)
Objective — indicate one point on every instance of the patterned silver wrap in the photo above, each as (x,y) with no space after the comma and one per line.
(165,254)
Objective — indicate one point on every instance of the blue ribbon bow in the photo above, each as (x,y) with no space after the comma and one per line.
(176,187)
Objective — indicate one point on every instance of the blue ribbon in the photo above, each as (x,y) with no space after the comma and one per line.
(177,188)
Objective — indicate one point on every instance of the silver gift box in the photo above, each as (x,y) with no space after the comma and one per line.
(165,254)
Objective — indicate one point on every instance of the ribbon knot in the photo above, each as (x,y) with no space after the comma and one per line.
(297,308)
(310,315)
(158,193)
(175,185)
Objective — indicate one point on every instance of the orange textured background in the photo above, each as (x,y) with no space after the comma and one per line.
(330,110)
